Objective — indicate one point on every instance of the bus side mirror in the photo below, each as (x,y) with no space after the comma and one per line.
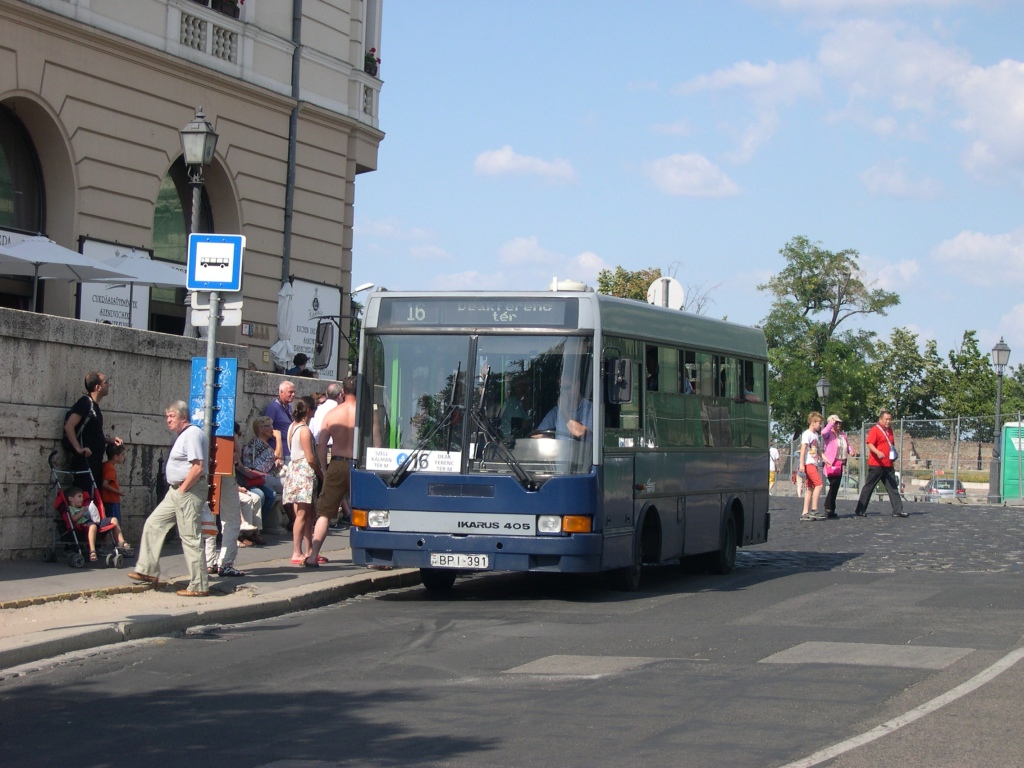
(324,347)
(619,380)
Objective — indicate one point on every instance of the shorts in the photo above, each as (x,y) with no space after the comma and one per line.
(771,477)
(813,477)
(337,480)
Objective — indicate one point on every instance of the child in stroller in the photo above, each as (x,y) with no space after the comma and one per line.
(83,514)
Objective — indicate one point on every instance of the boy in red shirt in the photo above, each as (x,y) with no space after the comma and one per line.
(110,490)
(881,456)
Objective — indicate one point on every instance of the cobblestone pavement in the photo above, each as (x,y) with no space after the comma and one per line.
(944,537)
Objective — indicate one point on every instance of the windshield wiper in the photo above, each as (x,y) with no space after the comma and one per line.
(480,421)
(446,420)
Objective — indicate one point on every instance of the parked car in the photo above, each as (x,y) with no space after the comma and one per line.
(944,488)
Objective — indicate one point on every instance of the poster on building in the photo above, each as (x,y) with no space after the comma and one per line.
(311,301)
(113,303)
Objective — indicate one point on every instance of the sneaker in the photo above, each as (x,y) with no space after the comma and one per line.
(831,515)
(229,570)
(901,514)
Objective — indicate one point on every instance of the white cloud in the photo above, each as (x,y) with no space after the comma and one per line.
(755,136)
(891,62)
(993,100)
(681,128)
(390,229)
(890,179)
(768,86)
(506,162)
(986,260)
(896,277)
(835,6)
(525,250)
(690,175)
(767,83)
(429,253)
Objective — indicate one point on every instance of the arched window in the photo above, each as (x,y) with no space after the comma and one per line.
(21,198)
(21,181)
(171,222)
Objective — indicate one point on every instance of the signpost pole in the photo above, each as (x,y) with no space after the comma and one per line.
(211,368)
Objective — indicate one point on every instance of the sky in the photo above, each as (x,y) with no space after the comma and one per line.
(536,139)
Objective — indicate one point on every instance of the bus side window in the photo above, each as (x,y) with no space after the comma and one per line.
(687,372)
(651,368)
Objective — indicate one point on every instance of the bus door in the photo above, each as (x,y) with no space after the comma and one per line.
(619,510)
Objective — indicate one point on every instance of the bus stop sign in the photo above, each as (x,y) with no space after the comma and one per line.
(215,262)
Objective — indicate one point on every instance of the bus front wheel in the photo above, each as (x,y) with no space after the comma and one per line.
(722,561)
(437,580)
(628,579)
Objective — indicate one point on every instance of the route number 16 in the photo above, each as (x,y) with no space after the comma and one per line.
(416,314)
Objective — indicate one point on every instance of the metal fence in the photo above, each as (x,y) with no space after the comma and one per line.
(959,448)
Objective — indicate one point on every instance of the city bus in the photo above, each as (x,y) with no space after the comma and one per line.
(555,431)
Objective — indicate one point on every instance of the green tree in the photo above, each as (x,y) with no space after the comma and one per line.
(633,285)
(814,294)
(626,284)
(900,370)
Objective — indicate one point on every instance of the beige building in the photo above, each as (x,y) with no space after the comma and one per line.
(93,94)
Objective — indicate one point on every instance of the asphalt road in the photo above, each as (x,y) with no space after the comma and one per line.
(819,637)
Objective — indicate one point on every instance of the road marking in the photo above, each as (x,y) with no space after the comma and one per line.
(869,655)
(915,714)
(588,667)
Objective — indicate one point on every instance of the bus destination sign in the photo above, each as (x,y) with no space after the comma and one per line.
(557,312)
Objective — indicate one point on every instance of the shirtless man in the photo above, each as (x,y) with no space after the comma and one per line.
(338,429)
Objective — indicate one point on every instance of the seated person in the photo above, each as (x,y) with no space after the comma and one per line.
(573,416)
(515,413)
(89,515)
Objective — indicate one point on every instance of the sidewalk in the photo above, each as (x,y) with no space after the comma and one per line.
(47,609)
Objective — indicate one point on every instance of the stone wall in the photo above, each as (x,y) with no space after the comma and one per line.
(47,358)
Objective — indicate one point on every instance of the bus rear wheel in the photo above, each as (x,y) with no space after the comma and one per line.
(722,561)
(437,580)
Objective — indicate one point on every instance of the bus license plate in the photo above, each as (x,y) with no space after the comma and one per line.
(438,560)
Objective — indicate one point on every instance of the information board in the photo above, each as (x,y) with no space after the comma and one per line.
(225,382)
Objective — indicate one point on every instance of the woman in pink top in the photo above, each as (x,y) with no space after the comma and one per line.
(836,451)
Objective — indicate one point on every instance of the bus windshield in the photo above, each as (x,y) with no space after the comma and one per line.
(499,404)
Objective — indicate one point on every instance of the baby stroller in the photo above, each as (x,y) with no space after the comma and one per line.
(68,535)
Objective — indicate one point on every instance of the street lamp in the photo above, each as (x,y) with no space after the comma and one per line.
(198,143)
(823,388)
(1000,357)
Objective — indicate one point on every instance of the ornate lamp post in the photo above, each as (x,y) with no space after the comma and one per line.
(198,143)
(1000,357)
(824,388)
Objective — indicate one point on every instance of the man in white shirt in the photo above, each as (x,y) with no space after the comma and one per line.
(335,395)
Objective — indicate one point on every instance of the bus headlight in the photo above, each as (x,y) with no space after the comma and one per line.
(549,524)
(378,518)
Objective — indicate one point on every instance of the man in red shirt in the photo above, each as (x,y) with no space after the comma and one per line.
(881,455)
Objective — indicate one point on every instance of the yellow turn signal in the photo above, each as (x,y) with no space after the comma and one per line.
(576,524)
(358,518)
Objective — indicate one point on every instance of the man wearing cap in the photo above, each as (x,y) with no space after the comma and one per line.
(835,453)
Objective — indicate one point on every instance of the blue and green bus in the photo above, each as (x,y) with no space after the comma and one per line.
(558,431)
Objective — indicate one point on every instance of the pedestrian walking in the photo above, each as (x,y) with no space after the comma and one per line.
(183,505)
(881,460)
(836,451)
(810,461)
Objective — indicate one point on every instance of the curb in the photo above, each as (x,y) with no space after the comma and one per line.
(325,593)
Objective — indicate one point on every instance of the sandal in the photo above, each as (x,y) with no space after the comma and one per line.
(257,539)
(321,559)
(126,547)
(244,543)
(92,556)
(807,518)
(307,564)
